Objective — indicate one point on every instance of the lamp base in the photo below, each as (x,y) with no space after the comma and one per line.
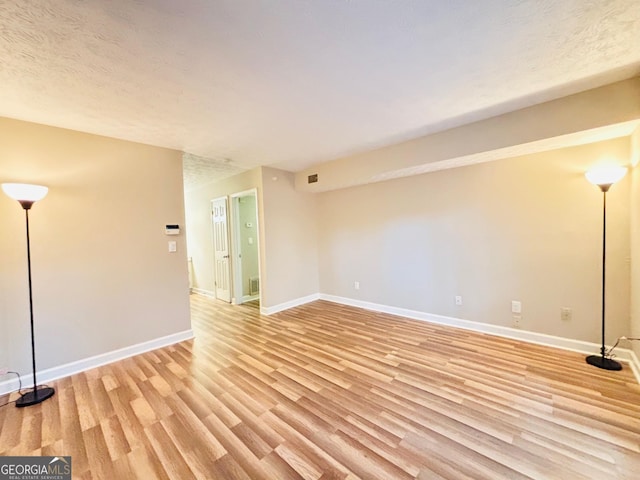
(33,398)
(602,362)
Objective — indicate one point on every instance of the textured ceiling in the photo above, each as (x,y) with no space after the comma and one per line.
(198,171)
(290,83)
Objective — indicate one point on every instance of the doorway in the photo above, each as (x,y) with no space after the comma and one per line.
(246,247)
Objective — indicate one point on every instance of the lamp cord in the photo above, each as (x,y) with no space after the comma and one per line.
(19,390)
(609,352)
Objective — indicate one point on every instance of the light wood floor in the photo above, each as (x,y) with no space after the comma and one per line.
(331,392)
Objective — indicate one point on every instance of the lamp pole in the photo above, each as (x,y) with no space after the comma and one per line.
(27,195)
(602,361)
(37,395)
(604,188)
(33,341)
(604,178)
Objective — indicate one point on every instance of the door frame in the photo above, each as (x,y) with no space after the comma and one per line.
(236,263)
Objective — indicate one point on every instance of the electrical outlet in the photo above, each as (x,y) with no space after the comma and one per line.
(4,371)
(458,300)
(517,320)
(356,285)
(565,314)
(516,306)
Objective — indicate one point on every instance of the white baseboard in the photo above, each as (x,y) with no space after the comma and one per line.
(250,298)
(579,346)
(72,368)
(62,371)
(290,304)
(202,291)
(634,363)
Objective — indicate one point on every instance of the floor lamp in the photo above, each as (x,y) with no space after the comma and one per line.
(604,177)
(27,195)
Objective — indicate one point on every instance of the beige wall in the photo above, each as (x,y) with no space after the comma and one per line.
(290,240)
(102,275)
(526,229)
(635,239)
(198,218)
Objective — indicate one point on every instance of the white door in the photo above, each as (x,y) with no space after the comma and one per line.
(221,248)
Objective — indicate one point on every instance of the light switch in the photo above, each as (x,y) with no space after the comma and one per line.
(173,247)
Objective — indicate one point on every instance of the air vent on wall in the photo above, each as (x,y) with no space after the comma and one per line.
(254,285)
(313,178)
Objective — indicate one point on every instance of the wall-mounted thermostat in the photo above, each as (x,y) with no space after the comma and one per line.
(172,229)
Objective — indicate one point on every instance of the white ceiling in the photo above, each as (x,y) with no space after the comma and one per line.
(290,83)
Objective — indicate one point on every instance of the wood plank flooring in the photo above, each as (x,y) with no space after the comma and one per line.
(325,392)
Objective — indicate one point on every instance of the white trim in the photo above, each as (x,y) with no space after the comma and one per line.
(202,291)
(290,304)
(249,298)
(579,346)
(62,371)
(78,366)
(634,363)
(246,193)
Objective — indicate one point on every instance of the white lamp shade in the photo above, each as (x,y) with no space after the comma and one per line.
(606,175)
(25,191)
